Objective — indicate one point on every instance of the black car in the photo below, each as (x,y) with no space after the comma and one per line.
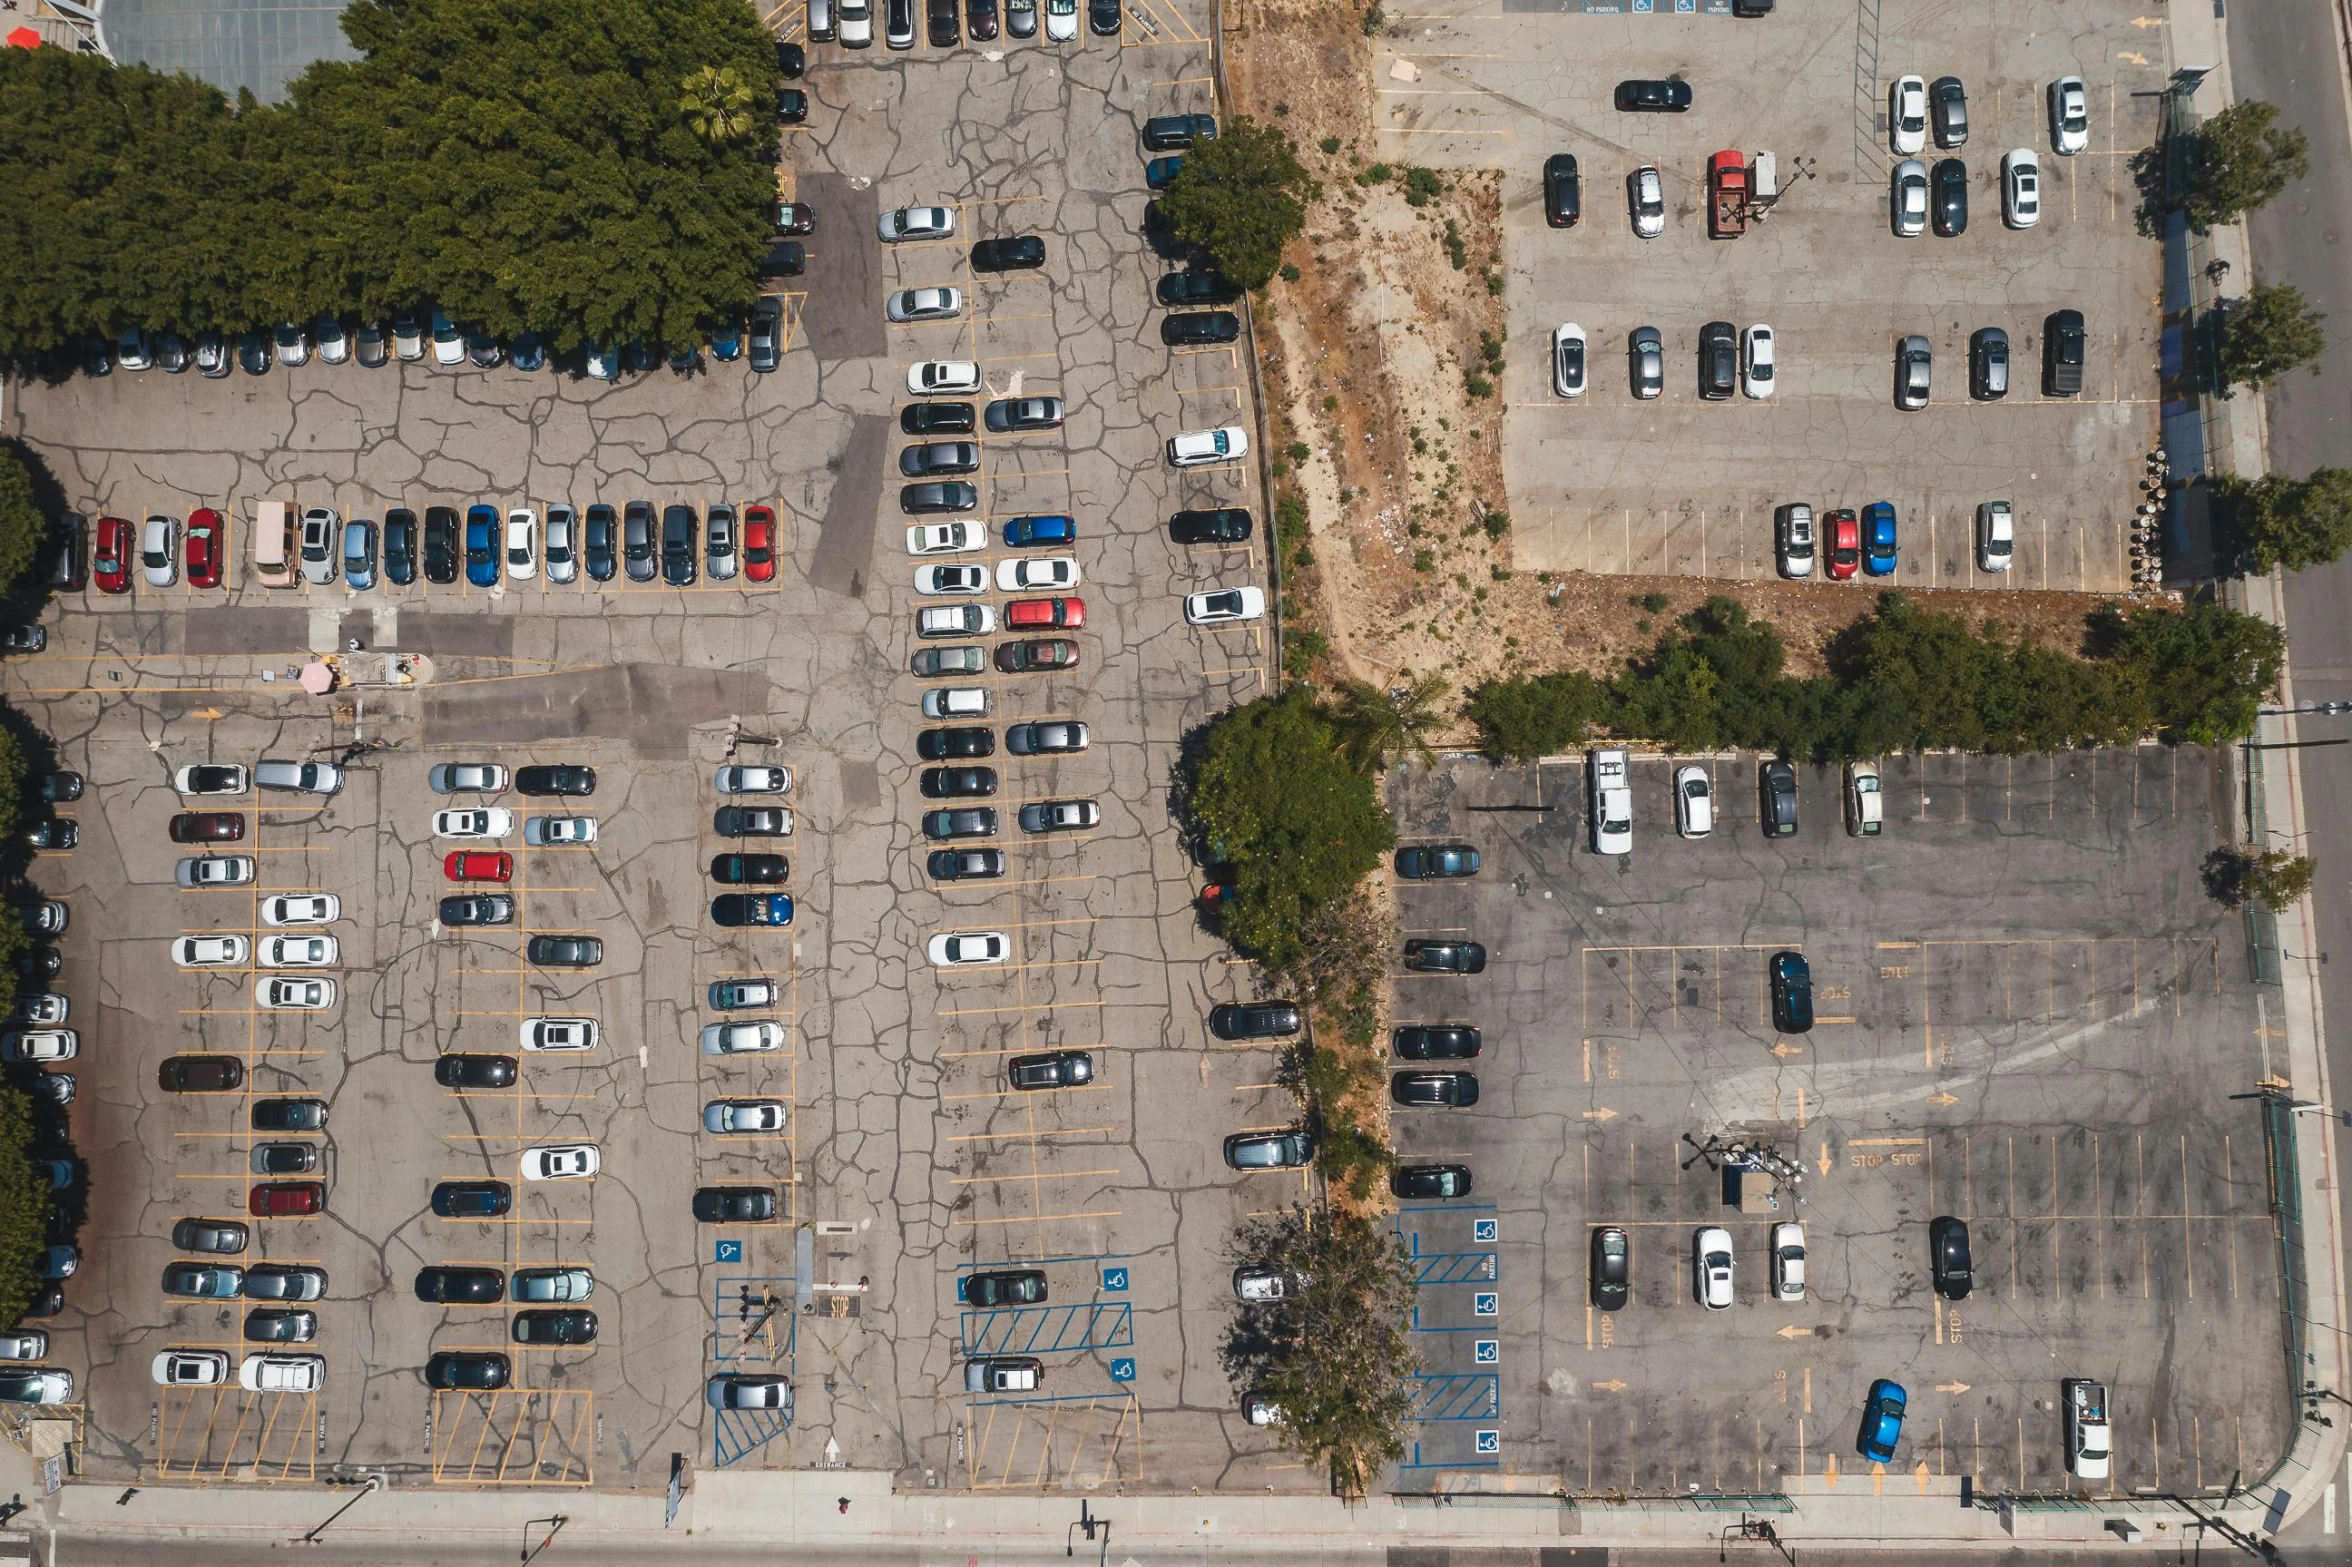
(561,1326)
(792,107)
(937,419)
(1447,1090)
(750,870)
(1052,1069)
(1430,1181)
(273,1325)
(1671,96)
(489,908)
(1255,1020)
(955,745)
(956,783)
(1436,861)
(1176,132)
(921,500)
(1436,1042)
(289,1115)
(1718,360)
(1792,992)
(1005,1287)
(1202,286)
(678,532)
(791,61)
(440,544)
(200,1074)
(598,547)
(2063,350)
(285,1158)
(749,821)
(637,540)
(1948,206)
(942,23)
(1948,1258)
(785,258)
(1776,784)
(1018,253)
(69,566)
(1199,328)
(937,457)
(734,1204)
(971,821)
(1612,1267)
(562,779)
(400,546)
(1223,525)
(447,1285)
(39,963)
(1988,364)
(467,1371)
(966,864)
(1445,957)
(1103,17)
(1563,194)
(736,910)
(474,1071)
(57,788)
(1947,111)
(564,951)
(472,1199)
(980,19)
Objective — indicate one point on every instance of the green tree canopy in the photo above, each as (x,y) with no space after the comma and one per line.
(23,530)
(2241,159)
(2271,331)
(2235,877)
(1241,197)
(25,1205)
(2204,671)
(2295,523)
(1377,727)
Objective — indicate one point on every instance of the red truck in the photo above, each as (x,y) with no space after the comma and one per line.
(1727,185)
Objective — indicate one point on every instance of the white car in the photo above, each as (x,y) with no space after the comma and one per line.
(215,870)
(2070,116)
(550,832)
(1908,201)
(1996,536)
(955,620)
(1757,360)
(1646,195)
(408,338)
(857,24)
(493,821)
(924,304)
(1788,1262)
(522,544)
(466,778)
(946,538)
(1061,20)
(2021,188)
(563,552)
(559,1033)
(1907,115)
(956,702)
(205,778)
(942,377)
(305,908)
(159,556)
(1711,1267)
(300,951)
(448,341)
(1694,801)
(725,1116)
(937,580)
(334,344)
(1568,359)
(41,1044)
(1224,606)
(294,995)
(734,1039)
(282,1373)
(917,223)
(965,949)
(753,780)
(211,951)
(191,1368)
(1196,447)
(562,1162)
(1037,574)
(1260,1284)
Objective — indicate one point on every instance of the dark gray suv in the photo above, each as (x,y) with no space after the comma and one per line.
(637,540)
(677,546)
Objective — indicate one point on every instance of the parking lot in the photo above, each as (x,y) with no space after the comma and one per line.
(904,1161)
(2028,1016)
(1679,486)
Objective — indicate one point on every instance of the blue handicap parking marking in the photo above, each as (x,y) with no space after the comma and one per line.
(1114,1279)
(1487,1351)
(1123,1369)
(1486,1303)
(963,1287)
(1490,1441)
(1681,6)
(1485,1232)
(730,1251)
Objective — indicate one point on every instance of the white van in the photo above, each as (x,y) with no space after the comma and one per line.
(273,544)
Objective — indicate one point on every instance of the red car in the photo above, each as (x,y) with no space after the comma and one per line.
(1022,614)
(204,548)
(112,563)
(759,544)
(281,1199)
(1845,545)
(477,865)
(207,827)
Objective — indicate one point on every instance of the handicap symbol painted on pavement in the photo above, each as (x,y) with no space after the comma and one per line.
(1123,1369)
(1682,6)
(1487,1351)
(1115,1280)
(1486,1303)
(730,1251)
(1485,1232)
(1641,7)
(1490,1441)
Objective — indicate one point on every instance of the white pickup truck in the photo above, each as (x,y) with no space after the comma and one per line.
(1609,798)
(2086,1428)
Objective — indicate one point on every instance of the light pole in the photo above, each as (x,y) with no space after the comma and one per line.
(554,1527)
(2328,708)
(374,1484)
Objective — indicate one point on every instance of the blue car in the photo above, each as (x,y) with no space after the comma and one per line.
(526,352)
(751,908)
(1878,540)
(359,554)
(1022,532)
(727,341)
(481,546)
(472,1199)
(1882,1421)
(1161,173)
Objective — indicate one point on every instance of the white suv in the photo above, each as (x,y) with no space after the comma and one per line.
(1194,448)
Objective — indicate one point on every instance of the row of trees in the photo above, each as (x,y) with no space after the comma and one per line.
(586,172)
(1904,679)
(1241,198)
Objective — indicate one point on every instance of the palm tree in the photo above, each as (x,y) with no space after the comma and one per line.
(717,105)
(1377,727)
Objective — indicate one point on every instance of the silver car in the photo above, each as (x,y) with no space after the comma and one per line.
(925,304)
(322,530)
(1913,359)
(562,551)
(719,540)
(1907,201)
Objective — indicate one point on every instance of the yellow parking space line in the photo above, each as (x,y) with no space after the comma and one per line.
(1031,1136)
(1043,1218)
(1044,1175)
(995,201)
(1025,1095)
(1014,1050)
(1033,1006)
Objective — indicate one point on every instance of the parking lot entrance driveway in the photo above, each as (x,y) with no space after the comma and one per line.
(2029,1017)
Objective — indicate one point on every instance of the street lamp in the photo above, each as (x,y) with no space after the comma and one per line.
(375,1483)
(2328,708)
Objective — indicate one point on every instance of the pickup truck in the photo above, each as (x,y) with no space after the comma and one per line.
(1609,793)
(1727,190)
(2086,1428)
